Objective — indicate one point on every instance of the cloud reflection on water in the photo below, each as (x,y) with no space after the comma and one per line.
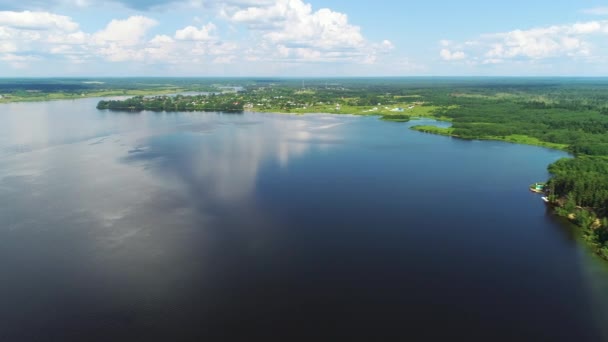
(226,167)
(131,184)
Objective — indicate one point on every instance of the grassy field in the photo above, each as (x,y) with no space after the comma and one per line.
(526,140)
(447,131)
(384,111)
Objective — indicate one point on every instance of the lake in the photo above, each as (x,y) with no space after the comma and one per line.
(209,226)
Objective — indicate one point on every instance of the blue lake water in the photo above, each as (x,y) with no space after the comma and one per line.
(209,226)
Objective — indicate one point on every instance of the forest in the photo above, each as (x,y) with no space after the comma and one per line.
(206,103)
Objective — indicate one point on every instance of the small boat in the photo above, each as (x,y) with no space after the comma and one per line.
(539,188)
(545,199)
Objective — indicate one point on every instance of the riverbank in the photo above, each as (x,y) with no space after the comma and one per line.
(513,138)
(586,221)
(592,229)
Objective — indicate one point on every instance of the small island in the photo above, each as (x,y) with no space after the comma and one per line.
(177,103)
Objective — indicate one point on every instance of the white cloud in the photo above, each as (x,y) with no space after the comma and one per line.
(26,36)
(570,41)
(37,21)
(130,31)
(387,45)
(448,55)
(161,39)
(281,32)
(323,29)
(192,33)
(290,29)
(116,53)
(587,28)
(123,40)
(543,42)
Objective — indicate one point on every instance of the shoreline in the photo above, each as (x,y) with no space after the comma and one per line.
(401,118)
(585,233)
(512,139)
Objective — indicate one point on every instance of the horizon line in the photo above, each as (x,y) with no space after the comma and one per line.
(303,77)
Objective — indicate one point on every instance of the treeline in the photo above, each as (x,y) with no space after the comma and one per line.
(135,103)
(580,187)
(583,130)
(396,117)
(584,180)
(210,102)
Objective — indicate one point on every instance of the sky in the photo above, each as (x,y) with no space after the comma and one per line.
(303,38)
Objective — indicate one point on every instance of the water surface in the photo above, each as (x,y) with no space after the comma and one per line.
(191,226)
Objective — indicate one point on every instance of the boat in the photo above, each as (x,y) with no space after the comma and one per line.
(538,188)
(545,199)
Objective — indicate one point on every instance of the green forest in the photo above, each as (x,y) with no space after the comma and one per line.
(206,103)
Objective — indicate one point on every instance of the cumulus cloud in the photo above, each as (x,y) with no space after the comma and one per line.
(193,33)
(574,40)
(293,23)
(543,42)
(448,55)
(123,40)
(130,31)
(288,31)
(26,36)
(293,31)
(30,36)
(586,28)
(36,21)
(387,45)
(161,39)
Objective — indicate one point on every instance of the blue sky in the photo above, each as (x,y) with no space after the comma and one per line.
(303,38)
